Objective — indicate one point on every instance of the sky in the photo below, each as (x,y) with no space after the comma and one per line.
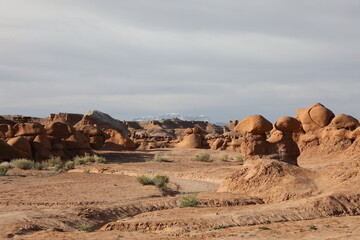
(225,59)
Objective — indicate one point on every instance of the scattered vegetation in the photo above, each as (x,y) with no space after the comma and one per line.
(201,157)
(223,157)
(69,165)
(264,228)
(3,170)
(23,163)
(313,227)
(85,228)
(86,171)
(219,227)
(239,158)
(159,158)
(79,160)
(159,181)
(188,201)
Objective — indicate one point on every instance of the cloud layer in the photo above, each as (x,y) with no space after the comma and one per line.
(226,59)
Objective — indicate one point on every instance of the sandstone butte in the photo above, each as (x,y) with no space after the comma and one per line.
(261,180)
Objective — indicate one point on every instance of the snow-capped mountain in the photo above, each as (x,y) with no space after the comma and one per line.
(175,115)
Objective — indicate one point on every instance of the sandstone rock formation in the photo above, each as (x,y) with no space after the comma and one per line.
(314,117)
(192,139)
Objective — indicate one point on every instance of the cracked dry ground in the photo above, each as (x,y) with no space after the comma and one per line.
(107,199)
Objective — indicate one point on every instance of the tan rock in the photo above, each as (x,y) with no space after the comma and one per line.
(314,117)
(254,124)
(344,121)
(287,124)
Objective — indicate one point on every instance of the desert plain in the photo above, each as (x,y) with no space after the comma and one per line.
(296,178)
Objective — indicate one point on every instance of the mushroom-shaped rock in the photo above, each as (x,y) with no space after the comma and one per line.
(256,124)
(315,117)
(189,131)
(344,121)
(287,124)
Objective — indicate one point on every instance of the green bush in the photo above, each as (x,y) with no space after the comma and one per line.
(144,180)
(158,181)
(201,157)
(188,201)
(85,228)
(99,159)
(23,163)
(69,165)
(3,170)
(223,157)
(264,228)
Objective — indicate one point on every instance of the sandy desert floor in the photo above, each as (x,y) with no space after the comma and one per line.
(107,200)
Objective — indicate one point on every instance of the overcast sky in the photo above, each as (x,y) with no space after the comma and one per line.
(227,59)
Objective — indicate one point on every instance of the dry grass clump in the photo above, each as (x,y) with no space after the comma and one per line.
(201,157)
(188,201)
(23,163)
(239,158)
(79,160)
(223,157)
(159,158)
(159,181)
(3,169)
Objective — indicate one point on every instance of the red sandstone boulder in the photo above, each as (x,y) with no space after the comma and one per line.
(8,152)
(6,131)
(28,129)
(21,144)
(42,147)
(59,130)
(254,124)
(314,117)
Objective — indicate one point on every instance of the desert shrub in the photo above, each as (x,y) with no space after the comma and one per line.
(23,163)
(313,227)
(3,170)
(85,228)
(99,159)
(58,167)
(223,157)
(38,166)
(159,181)
(53,161)
(159,158)
(188,201)
(219,227)
(201,157)
(86,171)
(239,158)
(79,160)
(69,165)
(144,180)
(264,228)
(7,164)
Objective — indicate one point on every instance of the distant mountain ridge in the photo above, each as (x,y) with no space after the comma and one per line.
(175,115)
